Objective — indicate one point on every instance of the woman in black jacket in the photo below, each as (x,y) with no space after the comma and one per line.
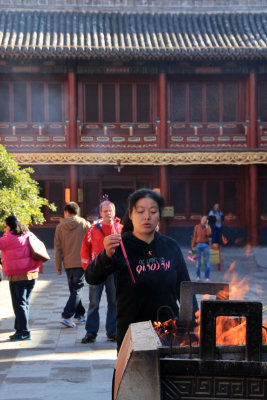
(147,266)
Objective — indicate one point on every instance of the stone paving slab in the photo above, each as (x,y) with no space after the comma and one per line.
(54,365)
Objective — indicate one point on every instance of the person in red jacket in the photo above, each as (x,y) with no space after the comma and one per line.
(92,245)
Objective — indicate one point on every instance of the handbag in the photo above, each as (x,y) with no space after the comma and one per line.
(38,249)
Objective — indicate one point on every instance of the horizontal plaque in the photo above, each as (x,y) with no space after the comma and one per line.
(167,211)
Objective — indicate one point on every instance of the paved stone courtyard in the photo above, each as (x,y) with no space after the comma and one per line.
(54,365)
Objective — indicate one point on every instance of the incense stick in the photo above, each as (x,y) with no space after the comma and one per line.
(124,254)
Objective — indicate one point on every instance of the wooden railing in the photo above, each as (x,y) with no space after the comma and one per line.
(207,135)
(130,135)
(118,135)
(262,133)
(22,135)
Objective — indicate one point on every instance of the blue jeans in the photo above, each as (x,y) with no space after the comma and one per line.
(95,293)
(20,294)
(76,283)
(205,248)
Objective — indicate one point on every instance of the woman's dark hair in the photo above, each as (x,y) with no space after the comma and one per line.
(133,199)
(16,227)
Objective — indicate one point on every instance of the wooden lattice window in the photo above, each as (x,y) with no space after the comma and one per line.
(230,198)
(91,103)
(37,102)
(178,195)
(263,101)
(126,102)
(54,102)
(116,102)
(206,102)
(213,194)
(31,102)
(194,198)
(4,102)
(20,102)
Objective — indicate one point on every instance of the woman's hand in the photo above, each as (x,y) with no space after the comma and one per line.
(110,244)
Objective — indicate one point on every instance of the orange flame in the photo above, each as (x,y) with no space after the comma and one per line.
(224,239)
(166,330)
(232,330)
(229,330)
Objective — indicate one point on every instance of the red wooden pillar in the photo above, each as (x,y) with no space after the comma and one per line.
(162,98)
(253,228)
(252,110)
(163,172)
(72,109)
(73,183)
(162,102)
(72,113)
(163,182)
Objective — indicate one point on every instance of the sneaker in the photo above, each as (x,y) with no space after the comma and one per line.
(207,279)
(80,320)
(197,278)
(112,338)
(88,339)
(68,322)
(20,336)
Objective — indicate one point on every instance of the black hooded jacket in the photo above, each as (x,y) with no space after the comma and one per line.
(158,269)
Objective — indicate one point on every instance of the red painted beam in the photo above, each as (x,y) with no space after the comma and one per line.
(252,110)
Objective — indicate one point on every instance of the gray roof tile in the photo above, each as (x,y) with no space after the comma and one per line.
(146,35)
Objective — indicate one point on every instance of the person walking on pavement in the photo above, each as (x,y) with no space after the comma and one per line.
(67,244)
(22,272)
(200,242)
(92,245)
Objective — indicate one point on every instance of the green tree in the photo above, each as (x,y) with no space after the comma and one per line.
(19,193)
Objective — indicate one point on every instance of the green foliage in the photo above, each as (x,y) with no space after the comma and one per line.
(19,193)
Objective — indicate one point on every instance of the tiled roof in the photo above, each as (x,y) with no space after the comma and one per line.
(127,35)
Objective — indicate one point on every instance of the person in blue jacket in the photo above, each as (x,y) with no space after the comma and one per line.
(216,218)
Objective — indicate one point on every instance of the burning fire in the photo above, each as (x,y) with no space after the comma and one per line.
(169,333)
(232,330)
(224,239)
(229,330)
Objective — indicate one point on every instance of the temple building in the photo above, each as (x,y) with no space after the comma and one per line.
(108,96)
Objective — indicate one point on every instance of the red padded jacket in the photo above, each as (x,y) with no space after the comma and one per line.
(92,243)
